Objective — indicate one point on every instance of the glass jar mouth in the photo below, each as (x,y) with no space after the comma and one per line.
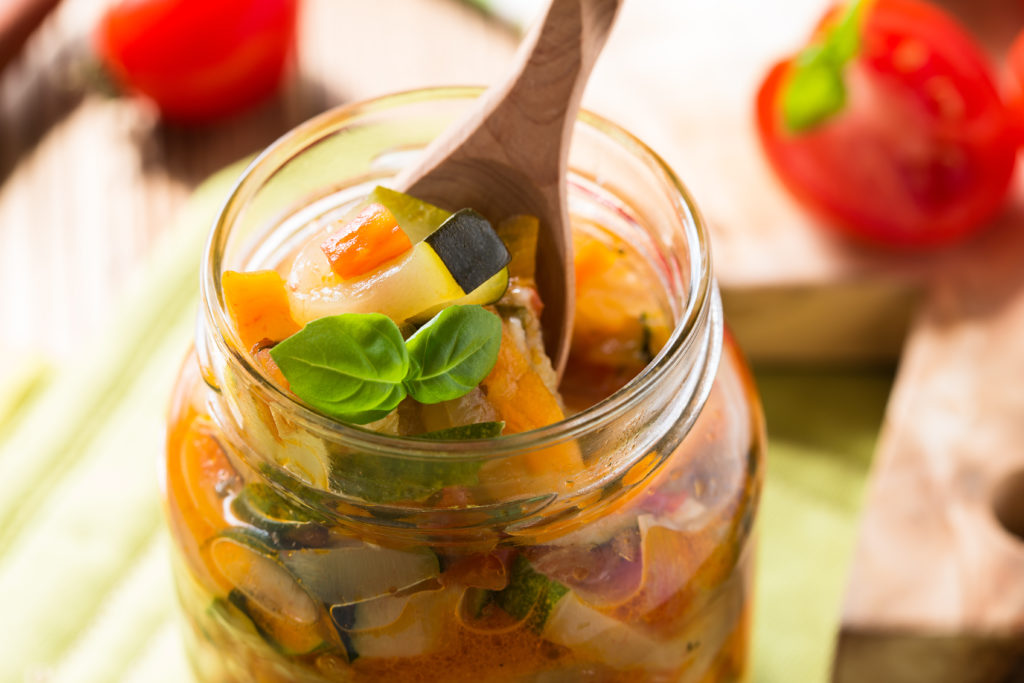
(693,313)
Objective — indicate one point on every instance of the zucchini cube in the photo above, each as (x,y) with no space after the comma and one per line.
(469,248)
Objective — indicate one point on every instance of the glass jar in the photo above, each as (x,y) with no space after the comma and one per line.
(612,545)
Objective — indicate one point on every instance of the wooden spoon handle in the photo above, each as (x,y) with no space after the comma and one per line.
(18,19)
(510,154)
(552,68)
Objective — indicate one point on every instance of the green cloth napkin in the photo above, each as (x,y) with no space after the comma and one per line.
(84,576)
(822,427)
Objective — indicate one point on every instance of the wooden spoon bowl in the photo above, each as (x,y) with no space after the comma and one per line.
(509,155)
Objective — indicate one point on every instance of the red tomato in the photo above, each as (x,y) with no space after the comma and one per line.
(922,151)
(199,60)
(1015,98)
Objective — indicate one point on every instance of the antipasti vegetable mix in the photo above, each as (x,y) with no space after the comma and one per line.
(373,473)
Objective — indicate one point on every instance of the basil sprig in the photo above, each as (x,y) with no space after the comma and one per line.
(355,367)
(452,353)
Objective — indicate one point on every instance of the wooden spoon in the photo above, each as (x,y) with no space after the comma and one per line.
(509,155)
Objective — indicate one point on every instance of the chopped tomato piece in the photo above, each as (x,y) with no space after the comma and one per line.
(258,304)
(371,238)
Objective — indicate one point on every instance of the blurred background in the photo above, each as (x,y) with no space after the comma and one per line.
(99,249)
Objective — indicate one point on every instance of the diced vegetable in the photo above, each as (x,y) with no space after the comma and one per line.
(469,248)
(379,479)
(208,477)
(265,509)
(469,409)
(460,257)
(258,304)
(248,565)
(605,573)
(517,391)
(271,430)
(489,292)
(417,218)
(479,570)
(620,322)
(524,402)
(592,634)
(477,430)
(199,480)
(371,238)
(371,614)
(226,615)
(266,361)
(358,572)
(284,634)
(400,289)
(519,233)
(417,631)
(258,585)
(529,594)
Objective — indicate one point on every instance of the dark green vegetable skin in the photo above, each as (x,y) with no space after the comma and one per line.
(286,526)
(529,594)
(469,248)
(344,618)
(386,480)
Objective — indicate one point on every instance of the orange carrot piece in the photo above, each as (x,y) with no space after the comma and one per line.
(371,238)
(258,304)
(592,259)
(524,402)
(269,365)
(517,392)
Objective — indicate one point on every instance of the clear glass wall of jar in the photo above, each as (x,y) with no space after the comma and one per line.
(613,545)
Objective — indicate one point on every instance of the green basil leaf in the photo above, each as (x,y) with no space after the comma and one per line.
(349,367)
(815,90)
(452,353)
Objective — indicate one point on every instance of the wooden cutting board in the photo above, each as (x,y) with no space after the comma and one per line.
(936,590)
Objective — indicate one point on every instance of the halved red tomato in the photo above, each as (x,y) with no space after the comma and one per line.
(889,125)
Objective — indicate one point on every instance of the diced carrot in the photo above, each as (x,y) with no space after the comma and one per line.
(593,259)
(371,238)
(524,402)
(517,391)
(258,304)
(199,479)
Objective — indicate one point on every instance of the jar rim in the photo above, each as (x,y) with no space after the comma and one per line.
(688,324)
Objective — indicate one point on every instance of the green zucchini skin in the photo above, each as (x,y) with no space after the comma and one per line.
(285,527)
(344,618)
(266,628)
(529,594)
(470,248)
